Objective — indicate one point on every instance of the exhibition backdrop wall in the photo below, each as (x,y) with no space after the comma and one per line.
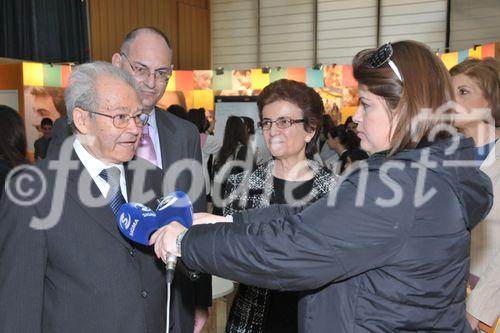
(39,87)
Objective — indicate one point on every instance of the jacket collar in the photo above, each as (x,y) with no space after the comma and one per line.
(261,180)
(101,214)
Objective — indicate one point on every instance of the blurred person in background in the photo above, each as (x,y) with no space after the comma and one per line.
(477,89)
(197,117)
(178,111)
(234,149)
(42,143)
(346,144)
(327,155)
(13,143)
(350,124)
(259,156)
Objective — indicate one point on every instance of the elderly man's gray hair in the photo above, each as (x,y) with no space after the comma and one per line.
(82,87)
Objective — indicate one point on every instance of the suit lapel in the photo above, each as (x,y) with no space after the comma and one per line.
(170,145)
(102,215)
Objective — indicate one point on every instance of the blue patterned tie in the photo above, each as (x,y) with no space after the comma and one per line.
(115,198)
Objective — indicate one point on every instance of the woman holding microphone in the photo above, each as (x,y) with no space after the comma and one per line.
(388,249)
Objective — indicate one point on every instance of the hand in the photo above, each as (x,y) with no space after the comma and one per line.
(206,218)
(200,318)
(473,321)
(164,240)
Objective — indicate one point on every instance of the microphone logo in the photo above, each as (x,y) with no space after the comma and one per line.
(167,202)
(125,220)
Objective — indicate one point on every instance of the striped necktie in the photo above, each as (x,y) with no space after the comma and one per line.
(114,198)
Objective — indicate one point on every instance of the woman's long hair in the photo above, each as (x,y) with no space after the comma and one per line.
(13,143)
(420,102)
(235,134)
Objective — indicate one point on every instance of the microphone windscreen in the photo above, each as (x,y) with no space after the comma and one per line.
(136,222)
(175,207)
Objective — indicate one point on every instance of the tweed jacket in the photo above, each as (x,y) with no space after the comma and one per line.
(248,190)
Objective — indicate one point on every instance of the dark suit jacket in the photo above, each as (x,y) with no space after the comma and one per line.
(179,139)
(77,274)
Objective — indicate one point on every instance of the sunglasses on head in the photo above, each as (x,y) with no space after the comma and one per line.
(382,56)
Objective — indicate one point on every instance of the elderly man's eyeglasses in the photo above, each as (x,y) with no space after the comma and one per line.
(282,123)
(383,55)
(143,72)
(122,120)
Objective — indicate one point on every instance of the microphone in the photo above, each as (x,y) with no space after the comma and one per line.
(137,222)
(174,207)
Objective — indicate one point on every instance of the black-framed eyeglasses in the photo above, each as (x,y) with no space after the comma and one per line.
(382,56)
(143,72)
(122,120)
(282,123)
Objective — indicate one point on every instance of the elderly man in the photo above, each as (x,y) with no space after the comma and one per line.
(166,140)
(64,265)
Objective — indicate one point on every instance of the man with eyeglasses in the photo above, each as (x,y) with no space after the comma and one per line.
(147,55)
(64,265)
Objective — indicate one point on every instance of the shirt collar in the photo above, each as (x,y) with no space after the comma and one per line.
(93,165)
(152,120)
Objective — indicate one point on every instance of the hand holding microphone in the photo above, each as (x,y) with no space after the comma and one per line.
(173,216)
(175,212)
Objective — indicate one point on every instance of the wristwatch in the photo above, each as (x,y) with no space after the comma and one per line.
(178,241)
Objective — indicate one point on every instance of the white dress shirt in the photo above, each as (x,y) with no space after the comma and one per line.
(94,168)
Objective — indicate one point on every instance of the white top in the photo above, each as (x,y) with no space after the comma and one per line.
(211,147)
(95,166)
(484,301)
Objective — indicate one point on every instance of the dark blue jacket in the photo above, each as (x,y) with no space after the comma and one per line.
(388,251)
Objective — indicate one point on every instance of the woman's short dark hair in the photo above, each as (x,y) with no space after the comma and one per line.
(347,138)
(305,98)
(197,117)
(328,125)
(13,144)
(178,110)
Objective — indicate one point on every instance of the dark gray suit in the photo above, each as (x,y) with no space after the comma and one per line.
(80,275)
(179,139)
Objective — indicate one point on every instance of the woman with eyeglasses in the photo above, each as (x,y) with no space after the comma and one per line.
(477,89)
(388,249)
(290,119)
